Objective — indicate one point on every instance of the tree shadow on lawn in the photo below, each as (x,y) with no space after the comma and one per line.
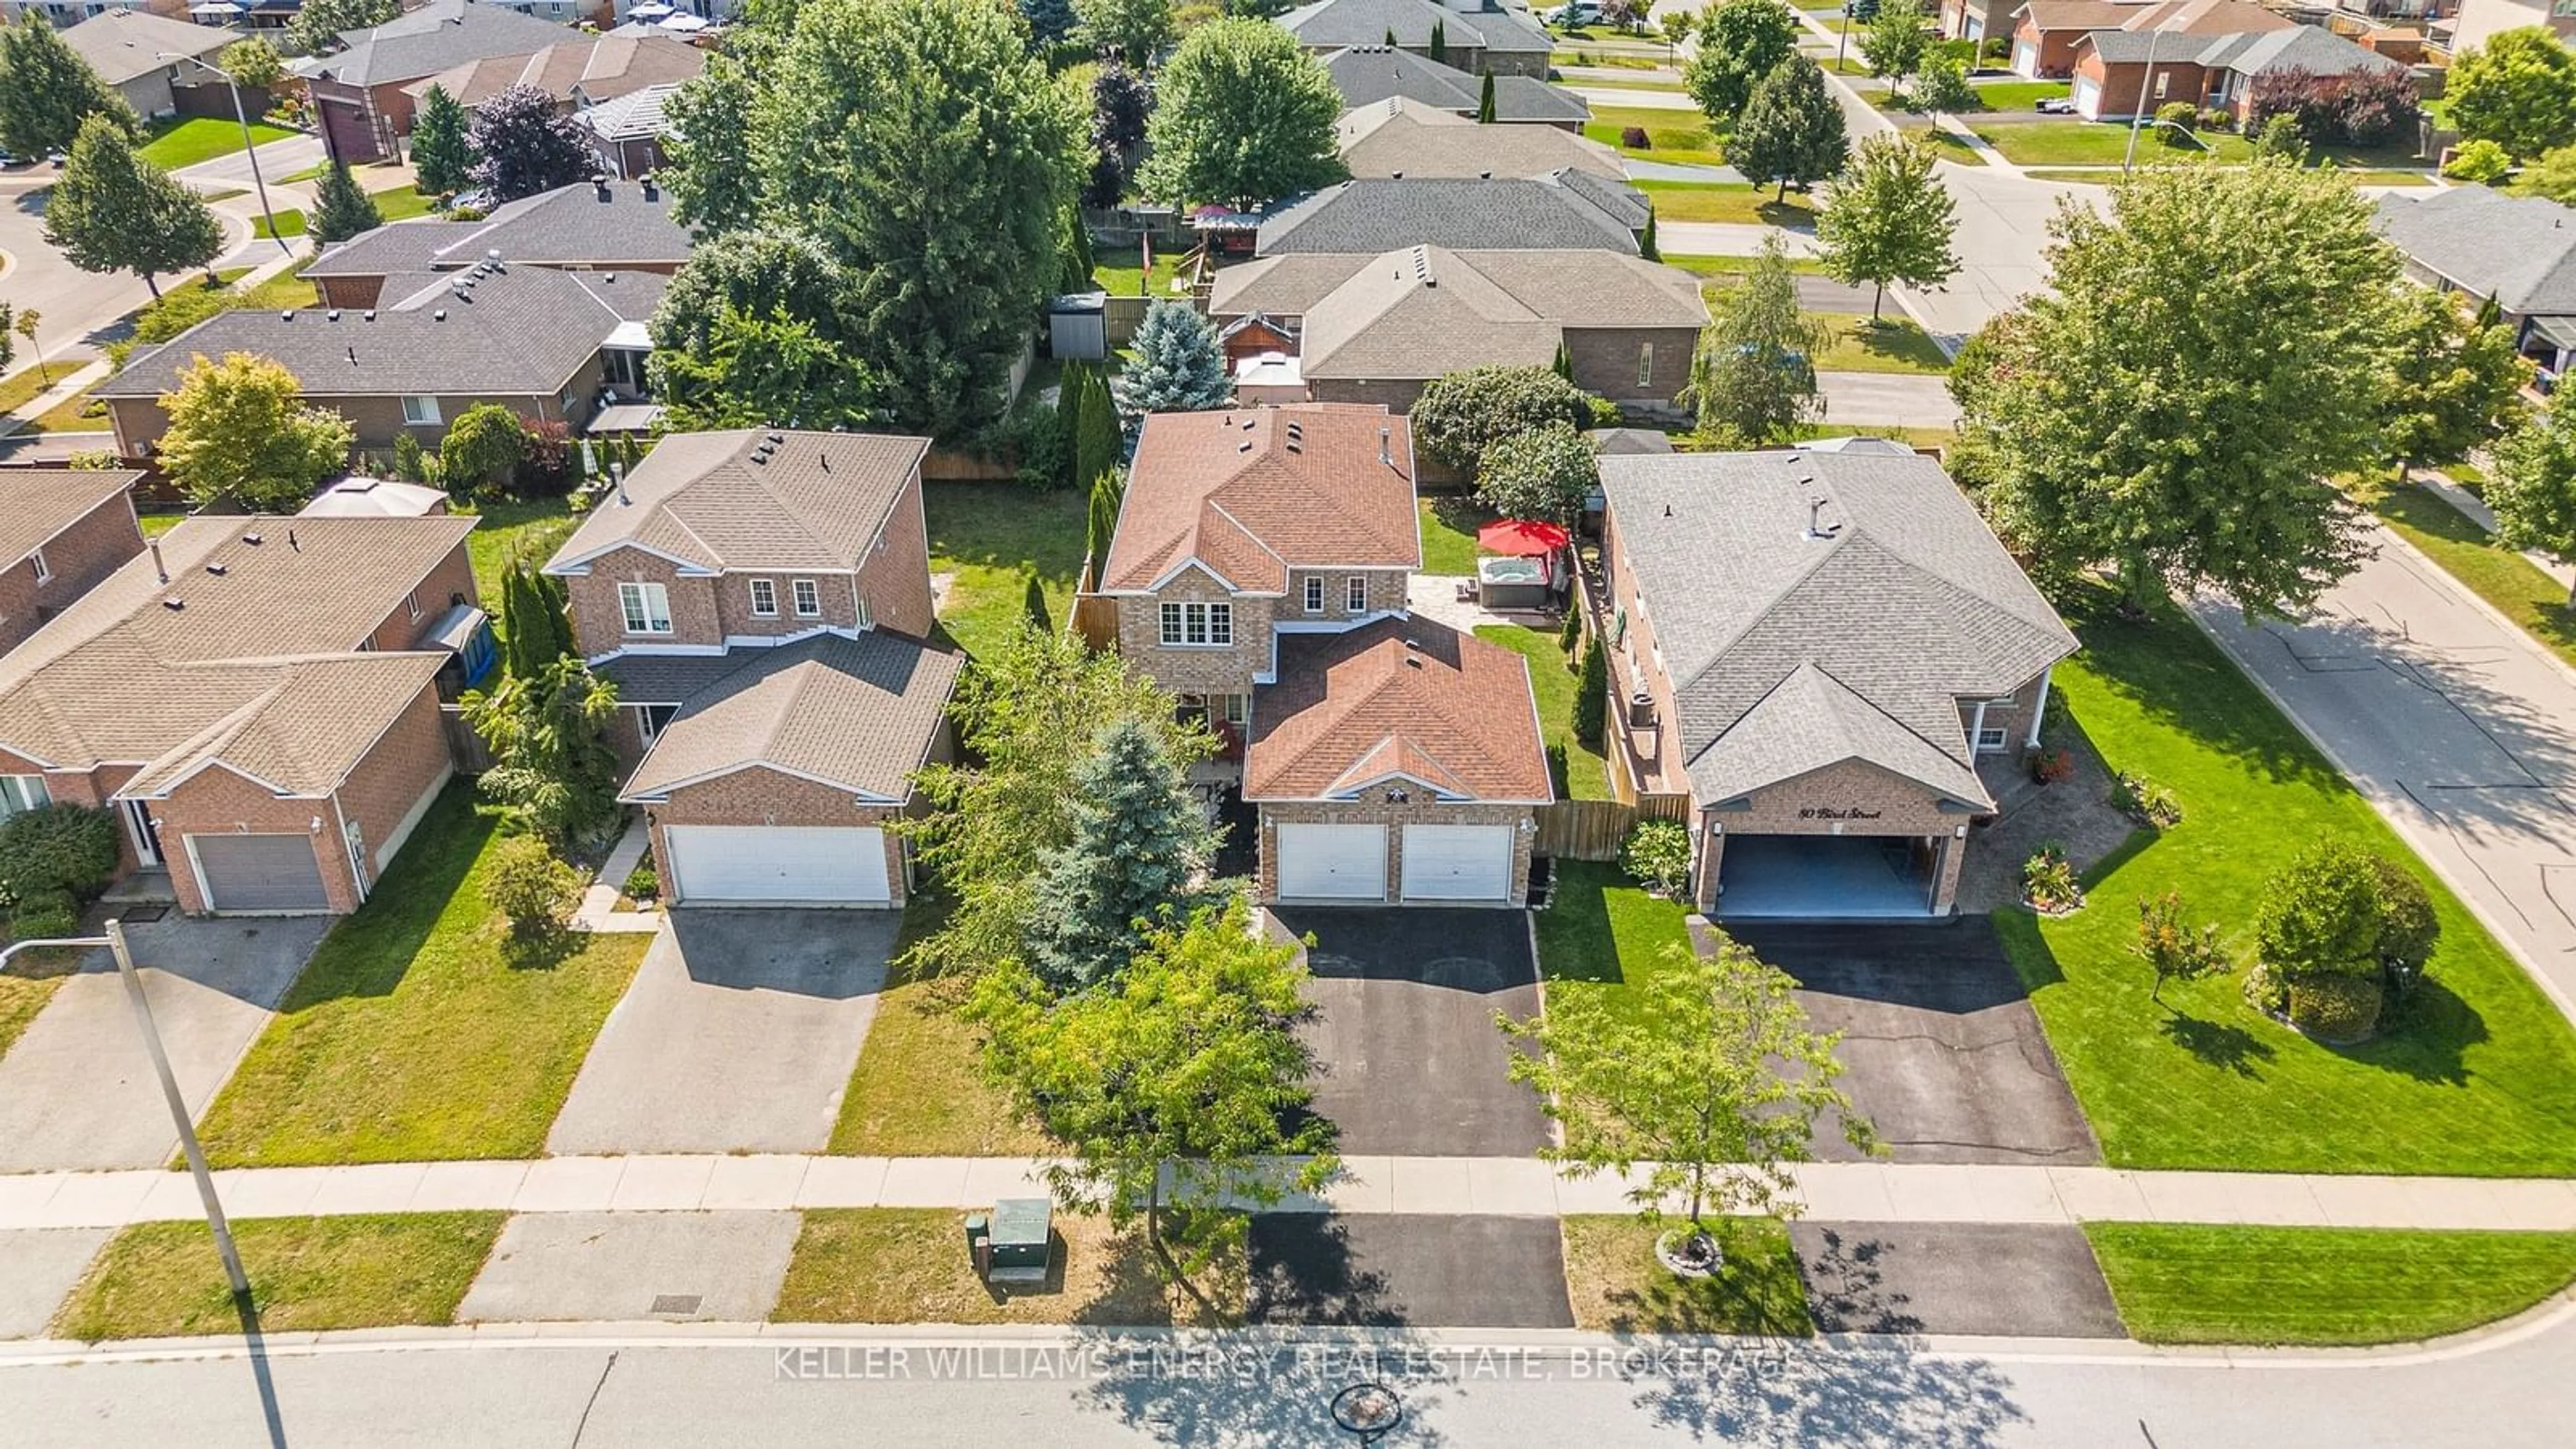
(2182,680)
(2425,1035)
(369,951)
(2218,1044)
(1576,942)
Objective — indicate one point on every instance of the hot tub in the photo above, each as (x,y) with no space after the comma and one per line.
(1514,583)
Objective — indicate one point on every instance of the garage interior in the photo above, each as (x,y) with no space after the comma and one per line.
(1828,876)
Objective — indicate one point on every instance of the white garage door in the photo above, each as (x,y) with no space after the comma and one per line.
(1457,862)
(259,872)
(1332,862)
(2088,98)
(2026,59)
(841,864)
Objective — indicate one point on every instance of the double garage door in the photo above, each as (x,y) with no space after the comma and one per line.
(259,873)
(770,864)
(1440,862)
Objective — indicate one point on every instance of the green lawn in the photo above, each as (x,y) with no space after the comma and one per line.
(156,524)
(2502,577)
(1616,1285)
(991,535)
(1727,201)
(1120,271)
(1890,345)
(1586,776)
(529,530)
(402,203)
(1449,524)
(2476,1075)
(1683,137)
(2099,143)
(908,1265)
(1602,931)
(2178,1283)
(918,1088)
(29,983)
(415,1034)
(2364,176)
(79,413)
(174,144)
(2021,95)
(376,1270)
(1737,266)
(25,385)
(290,222)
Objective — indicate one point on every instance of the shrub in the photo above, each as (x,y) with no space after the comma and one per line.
(1570,632)
(1462,413)
(1962,51)
(1995,50)
(2373,106)
(2277,136)
(483,446)
(533,891)
(2266,992)
(2218,121)
(2050,766)
(2145,801)
(69,849)
(2048,880)
(90,460)
(46,915)
(2408,929)
(2480,162)
(181,308)
(2339,910)
(2174,120)
(643,883)
(2335,1008)
(1657,855)
(545,469)
(1634,138)
(1592,693)
(2174,950)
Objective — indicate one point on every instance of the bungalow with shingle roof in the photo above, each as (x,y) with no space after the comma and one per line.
(1563,210)
(2518,250)
(1367,74)
(1474,35)
(613,226)
(1400,138)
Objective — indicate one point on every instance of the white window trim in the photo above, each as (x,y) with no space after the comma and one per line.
(44,571)
(1355,595)
(1174,618)
(1314,594)
(800,592)
(1993,741)
(23,792)
(635,601)
(411,604)
(420,412)
(770,588)
(1645,364)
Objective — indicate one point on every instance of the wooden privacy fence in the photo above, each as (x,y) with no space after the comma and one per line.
(1595,829)
(472,756)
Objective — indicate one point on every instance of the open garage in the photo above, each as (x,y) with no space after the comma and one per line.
(1845,877)
(777,864)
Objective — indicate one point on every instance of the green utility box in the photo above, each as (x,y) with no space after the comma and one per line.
(1019,1231)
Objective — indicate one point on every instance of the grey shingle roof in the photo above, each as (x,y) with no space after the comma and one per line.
(440,34)
(733,499)
(1374,72)
(519,332)
(858,712)
(1380,216)
(1409,138)
(123,44)
(1868,637)
(1502,31)
(569,225)
(2520,250)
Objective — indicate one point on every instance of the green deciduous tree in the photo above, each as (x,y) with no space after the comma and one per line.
(47,91)
(340,209)
(481,449)
(2517,90)
(1887,218)
(1180,1089)
(523,144)
(1544,473)
(2553,175)
(2533,487)
(1753,377)
(2173,948)
(25,326)
(2176,403)
(1139,842)
(1740,42)
(252,62)
(1941,88)
(1896,40)
(1709,1089)
(1241,115)
(1026,715)
(238,431)
(531,886)
(1463,413)
(2455,384)
(751,331)
(1134,29)
(441,157)
(1791,131)
(553,772)
(113,211)
(317,26)
(1178,364)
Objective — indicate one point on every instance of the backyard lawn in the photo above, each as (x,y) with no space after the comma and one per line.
(2502,577)
(401,203)
(1602,931)
(2474,1075)
(1120,271)
(2179,1283)
(174,144)
(1682,137)
(990,535)
(903,1265)
(416,1034)
(528,529)
(1449,524)
(2099,143)
(370,1270)
(1617,1286)
(918,1089)
(1586,776)
(1890,345)
(1727,201)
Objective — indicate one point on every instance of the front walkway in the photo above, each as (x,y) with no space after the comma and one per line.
(1874,1192)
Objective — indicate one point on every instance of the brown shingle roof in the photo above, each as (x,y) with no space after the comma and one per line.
(599,67)
(305,732)
(859,713)
(749,498)
(1254,492)
(1398,697)
(37,503)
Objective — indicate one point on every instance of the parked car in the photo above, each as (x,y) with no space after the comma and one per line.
(6,159)
(2057,106)
(1576,13)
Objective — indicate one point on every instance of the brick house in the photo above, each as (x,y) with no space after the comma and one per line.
(1377,329)
(2046,32)
(762,600)
(258,700)
(1476,35)
(627,133)
(61,533)
(1977,19)
(589,226)
(358,90)
(139,55)
(2120,74)
(548,345)
(1369,73)
(2482,243)
(1260,572)
(1818,651)
(579,71)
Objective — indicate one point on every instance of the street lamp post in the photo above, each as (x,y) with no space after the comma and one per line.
(250,143)
(2137,119)
(114,941)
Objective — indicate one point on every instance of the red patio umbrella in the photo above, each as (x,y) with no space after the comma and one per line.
(1522,538)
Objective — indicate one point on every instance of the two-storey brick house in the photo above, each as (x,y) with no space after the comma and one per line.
(762,600)
(61,532)
(1260,571)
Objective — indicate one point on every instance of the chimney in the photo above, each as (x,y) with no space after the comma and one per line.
(1385,441)
(617,479)
(158,571)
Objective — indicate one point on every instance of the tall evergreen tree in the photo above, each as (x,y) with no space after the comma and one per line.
(340,209)
(1100,524)
(1139,840)
(441,158)
(1887,218)
(1485,101)
(1092,429)
(1178,367)
(113,211)
(47,91)
(1051,22)
(1791,130)
(1646,247)
(1753,378)
(1592,694)
(1076,253)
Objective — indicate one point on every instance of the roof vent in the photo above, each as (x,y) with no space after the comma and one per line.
(1816,520)
(1244,447)
(174,603)
(331,316)
(370,317)
(252,539)
(286,316)
(438,316)
(1385,438)
(1395,176)
(775,439)
(217,569)
(1484,175)
(608,279)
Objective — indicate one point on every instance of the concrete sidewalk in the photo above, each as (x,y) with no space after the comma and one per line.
(1496,1186)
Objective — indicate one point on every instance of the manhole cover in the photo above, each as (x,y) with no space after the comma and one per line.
(678,1303)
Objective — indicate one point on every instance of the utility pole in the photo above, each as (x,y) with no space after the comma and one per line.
(250,143)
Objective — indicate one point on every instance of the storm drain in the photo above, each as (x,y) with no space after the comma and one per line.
(137,915)
(677,1303)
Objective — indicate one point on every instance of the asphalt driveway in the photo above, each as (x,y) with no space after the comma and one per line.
(737,1035)
(2019,1279)
(77,1091)
(1944,1053)
(1387,1270)
(1404,1028)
